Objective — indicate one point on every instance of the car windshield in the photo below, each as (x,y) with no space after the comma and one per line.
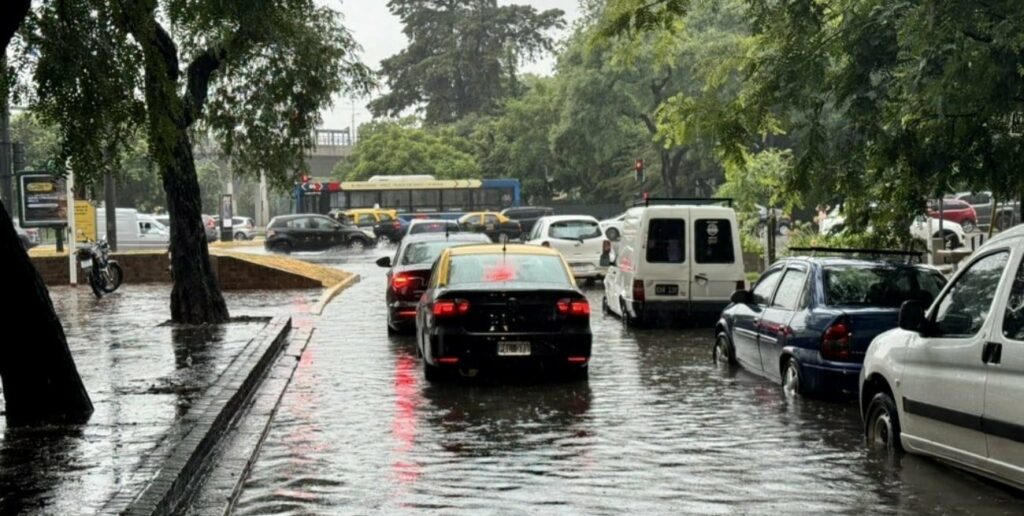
(575,229)
(426,252)
(507,267)
(880,286)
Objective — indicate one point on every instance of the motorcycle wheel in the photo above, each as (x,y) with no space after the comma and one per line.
(95,281)
(114,277)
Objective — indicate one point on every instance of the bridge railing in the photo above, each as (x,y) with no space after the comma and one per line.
(333,137)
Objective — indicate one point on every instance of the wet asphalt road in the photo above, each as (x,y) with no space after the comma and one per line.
(657,429)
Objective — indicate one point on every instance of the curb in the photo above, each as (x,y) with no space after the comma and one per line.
(333,292)
(176,470)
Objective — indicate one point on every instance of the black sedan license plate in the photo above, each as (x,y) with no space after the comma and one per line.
(513,349)
(666,290)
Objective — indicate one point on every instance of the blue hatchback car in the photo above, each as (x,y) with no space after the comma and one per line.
(808,321)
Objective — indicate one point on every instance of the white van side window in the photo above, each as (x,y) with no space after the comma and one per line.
(666,241)
(713,241)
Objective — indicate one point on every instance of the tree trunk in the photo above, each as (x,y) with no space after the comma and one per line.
(40,380)
(195,296)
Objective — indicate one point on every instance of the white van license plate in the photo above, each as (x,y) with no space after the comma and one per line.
(666,290)
(513,349)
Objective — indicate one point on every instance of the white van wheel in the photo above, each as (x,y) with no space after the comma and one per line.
(605,309)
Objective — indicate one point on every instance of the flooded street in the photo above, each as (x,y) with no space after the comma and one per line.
(657,429)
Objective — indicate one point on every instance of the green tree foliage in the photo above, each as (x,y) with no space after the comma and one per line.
(401,148)
(462,57)
(883,103)
(761,179)
(38,141)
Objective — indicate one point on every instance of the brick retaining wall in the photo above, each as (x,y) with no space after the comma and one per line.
(232,273)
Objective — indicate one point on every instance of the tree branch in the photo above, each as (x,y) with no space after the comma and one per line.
(651,126)
(200,71)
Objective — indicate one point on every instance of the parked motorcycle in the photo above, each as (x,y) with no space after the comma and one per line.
(104,274)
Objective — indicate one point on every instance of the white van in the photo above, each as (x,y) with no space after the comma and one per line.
(134,230)
(683,260)
(949,382)
(580,240)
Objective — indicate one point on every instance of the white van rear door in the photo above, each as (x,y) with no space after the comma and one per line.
(665,254)
(717,264)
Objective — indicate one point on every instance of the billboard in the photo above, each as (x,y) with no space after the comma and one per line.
(85,222)
(44,201)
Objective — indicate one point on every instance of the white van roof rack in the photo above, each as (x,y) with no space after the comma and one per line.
(701,201)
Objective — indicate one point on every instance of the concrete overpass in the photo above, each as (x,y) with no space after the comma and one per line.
(332,146)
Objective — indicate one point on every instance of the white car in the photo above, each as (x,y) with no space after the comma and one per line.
(950,381)
(921,228)
(580,240)
(952,234)
(417,226)
(612,228)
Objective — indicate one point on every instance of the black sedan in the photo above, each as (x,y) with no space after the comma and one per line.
(309,232)
(409,271)
(495,305)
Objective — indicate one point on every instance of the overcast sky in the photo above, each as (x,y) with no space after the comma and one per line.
(380,34)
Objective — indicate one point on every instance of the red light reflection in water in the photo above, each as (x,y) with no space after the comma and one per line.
(403,426)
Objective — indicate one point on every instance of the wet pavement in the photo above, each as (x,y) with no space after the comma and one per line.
(142,376)
(657,429)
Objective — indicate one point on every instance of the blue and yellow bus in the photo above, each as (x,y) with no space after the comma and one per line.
(411,195)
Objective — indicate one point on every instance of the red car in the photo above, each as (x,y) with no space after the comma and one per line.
(956,211)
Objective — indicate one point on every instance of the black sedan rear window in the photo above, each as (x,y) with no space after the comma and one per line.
(880,286)
(507,267)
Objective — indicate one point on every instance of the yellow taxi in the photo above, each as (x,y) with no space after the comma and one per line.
(492,224)
(508,305)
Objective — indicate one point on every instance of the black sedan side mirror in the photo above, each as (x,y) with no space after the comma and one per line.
(742,297)
(912,316)
(384,262)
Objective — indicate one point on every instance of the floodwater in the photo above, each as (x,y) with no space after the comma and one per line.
(657,429)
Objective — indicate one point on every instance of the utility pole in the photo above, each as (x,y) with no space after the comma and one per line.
(110,206)
(352,133)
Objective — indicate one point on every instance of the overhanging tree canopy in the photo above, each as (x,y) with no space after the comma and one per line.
(256,73)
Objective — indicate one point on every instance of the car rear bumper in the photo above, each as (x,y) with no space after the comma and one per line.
(402,315)
(684,309)
(831,379)
(587,270)
(481,349)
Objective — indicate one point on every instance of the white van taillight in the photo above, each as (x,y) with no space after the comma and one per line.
(638,290)
(741,285)
(606,247)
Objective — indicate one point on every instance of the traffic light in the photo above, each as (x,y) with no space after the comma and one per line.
(638,169)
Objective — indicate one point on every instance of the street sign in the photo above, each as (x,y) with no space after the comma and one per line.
(1016,123)
(44,201)
(85,221)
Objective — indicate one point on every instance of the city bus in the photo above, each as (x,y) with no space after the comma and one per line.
(409,195)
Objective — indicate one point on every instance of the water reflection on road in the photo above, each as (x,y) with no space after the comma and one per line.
(657,429)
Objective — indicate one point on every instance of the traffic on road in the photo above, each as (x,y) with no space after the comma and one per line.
(656,425)
(825,376)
